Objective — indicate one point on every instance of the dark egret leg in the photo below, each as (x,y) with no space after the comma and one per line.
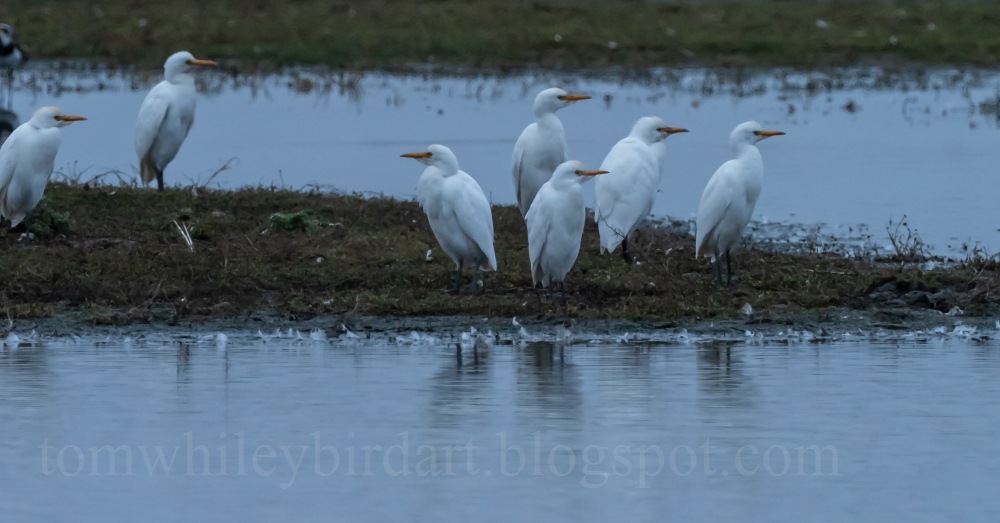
(474,286)
(729,268)
(458,279)
(625,254)
(718,267)
(562,286)
(551,297)
(26,239)
(159,180)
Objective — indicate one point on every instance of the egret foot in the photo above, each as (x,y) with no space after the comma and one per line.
(458,281)
(474,286)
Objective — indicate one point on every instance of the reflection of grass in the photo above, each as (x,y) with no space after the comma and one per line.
(123,252)
(482,32)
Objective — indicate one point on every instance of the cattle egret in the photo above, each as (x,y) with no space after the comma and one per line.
(555,225)
(730,196)
(625,195)
(26,162)
(165,116)
(458,211)
(541,146)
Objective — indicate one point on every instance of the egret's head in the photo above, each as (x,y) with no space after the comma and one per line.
(750,133)
(437,156)
(6,35)
(551,100)
(48,117)
(574,170)
(183,62)
(651,129)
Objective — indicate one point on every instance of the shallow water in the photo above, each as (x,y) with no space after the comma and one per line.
(863,146)
(609,431)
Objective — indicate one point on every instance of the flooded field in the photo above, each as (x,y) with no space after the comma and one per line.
(453,427)
(863,146)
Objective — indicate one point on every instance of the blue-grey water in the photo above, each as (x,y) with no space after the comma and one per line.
(417,430)
(863,146)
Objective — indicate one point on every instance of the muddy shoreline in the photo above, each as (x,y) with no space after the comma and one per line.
(117,255)
(831,325)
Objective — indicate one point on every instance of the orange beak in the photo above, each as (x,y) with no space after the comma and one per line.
(768,134)
(416,156)
(590,173)
(65,118)
(671,130)
(202,63)
(574,97)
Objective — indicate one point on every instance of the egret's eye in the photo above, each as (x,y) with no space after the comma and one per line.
(578,171)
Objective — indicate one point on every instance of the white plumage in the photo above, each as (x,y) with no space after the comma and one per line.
(26,162)
(626,194)
(165,116)
(458,211)
(555,224)
(730,196)
(541,146)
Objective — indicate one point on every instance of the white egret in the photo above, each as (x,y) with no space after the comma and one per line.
(165,116)
(458,211)
(541,146)
(625,195)
(555,225)
(26,162)
(11,57)
(730,196)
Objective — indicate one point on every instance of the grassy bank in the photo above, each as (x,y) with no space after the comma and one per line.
(116,252)
(384,33)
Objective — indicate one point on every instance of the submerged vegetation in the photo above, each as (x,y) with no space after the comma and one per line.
(126,254)
(551,33)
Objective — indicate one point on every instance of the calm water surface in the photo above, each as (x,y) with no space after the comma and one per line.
(863,146)
(418,432)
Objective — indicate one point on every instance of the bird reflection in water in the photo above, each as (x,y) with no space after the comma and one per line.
(546,381)
(720,375)
(463,386)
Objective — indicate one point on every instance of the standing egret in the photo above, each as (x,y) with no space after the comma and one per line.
(458,211)
(541,146)
(555,225)
(165,116)
(26,162)
(730,196)
(625,196)
(11,57)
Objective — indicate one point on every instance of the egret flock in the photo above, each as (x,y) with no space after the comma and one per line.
(547,184)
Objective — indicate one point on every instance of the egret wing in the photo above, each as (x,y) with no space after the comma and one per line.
(151,115)
(715,202)
(517,170)
(538,230)
(476,218)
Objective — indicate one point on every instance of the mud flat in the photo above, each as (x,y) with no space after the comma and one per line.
(117,255)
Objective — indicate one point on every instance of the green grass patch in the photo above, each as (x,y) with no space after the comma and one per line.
(384,33)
